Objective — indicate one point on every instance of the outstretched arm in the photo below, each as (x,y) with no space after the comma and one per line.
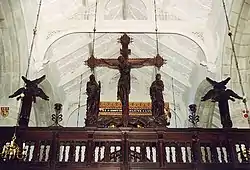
(110,63)
(101,62)
(141,62)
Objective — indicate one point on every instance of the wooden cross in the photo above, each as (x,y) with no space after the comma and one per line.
(124,64)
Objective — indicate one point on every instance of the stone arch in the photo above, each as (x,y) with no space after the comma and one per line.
(204,109)
(44,109)
(190,37)
(13,56)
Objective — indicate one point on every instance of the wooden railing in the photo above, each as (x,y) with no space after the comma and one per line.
(127,148)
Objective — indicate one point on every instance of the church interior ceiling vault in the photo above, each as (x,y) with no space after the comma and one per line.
(66,50)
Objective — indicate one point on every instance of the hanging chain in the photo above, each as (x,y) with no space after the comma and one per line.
(156,28)
(94,34)
(92,69)
(156,34)
(30,53)
(79,101)
(175,119)
(234,53)
(33,38)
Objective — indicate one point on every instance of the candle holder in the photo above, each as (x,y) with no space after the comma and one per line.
(193,118)
(12,151)
(57,117)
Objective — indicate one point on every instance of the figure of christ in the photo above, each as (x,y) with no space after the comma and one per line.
(124,82)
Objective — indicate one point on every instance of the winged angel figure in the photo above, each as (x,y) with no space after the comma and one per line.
(31,89)
(220,91)
(221,94)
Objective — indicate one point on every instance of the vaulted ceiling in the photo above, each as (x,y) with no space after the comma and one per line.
(64,41)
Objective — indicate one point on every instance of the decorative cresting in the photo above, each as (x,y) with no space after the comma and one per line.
(221,94)
(57,117)
(141,115)
(193,117)
(28,95)
(124,64)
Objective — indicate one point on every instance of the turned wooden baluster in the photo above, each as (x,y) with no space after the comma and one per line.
(206,146)
(82,151)
(188,152)
(222,153)
(41,151)
(27,156)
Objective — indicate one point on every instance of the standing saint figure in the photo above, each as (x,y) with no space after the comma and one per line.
(156,89)
(220,94)
(93,92)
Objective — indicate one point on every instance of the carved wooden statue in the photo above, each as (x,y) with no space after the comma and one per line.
(28,95)
(220,94)
(93,92)
(124,64)
(156,89)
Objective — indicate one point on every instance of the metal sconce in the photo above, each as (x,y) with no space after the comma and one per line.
(57,117)
(193,118)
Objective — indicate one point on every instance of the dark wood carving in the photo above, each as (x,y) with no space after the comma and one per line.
(221,94)
(130,148)
(135,121)
(28,95)
(124,64)
(93,100)
(156,89)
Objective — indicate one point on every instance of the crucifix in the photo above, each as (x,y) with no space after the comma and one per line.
(124,64)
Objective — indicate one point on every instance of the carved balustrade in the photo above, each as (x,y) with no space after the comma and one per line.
(130,148)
